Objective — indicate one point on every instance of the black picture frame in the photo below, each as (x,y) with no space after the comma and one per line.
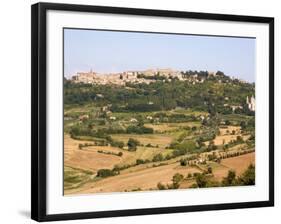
(38,108)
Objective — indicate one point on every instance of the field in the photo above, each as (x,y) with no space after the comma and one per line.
(154,139)
(89,158)
(170,127)
(239,164)
(142,177)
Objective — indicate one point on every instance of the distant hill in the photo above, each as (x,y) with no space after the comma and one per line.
(138,91)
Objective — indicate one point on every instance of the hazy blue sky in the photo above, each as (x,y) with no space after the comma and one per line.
(108,51)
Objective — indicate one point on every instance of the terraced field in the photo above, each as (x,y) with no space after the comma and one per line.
(88,158)
(146,179)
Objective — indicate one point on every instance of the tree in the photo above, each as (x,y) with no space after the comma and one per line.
(140,121)
(248,177)
(229,180)
(132,144)
(157,158)
(201,180)
(243,125)
(120,154)
(183,162)
(210,170)
(177,178)
(161,186)
(219,73)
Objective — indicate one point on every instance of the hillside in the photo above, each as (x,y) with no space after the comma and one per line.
(198,131)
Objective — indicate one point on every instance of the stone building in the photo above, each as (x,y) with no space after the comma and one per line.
(251,103)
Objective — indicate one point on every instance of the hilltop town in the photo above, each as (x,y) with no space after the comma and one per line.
(163,75)
(147,77)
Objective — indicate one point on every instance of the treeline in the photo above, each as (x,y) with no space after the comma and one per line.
(111,153)
(80,130)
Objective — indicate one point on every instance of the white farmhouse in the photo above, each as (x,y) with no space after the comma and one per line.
(133,120)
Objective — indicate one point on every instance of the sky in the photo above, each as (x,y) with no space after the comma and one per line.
(113,51)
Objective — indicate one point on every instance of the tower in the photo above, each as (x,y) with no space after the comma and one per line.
(251,103)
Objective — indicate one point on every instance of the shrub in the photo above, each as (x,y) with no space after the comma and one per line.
(201,180)
(177,178)
(120,154)
(157,158)
(161,186)
(140,161)
(106,173)
(183,162)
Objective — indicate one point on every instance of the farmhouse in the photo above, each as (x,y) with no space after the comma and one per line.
(235,107)
(133,120)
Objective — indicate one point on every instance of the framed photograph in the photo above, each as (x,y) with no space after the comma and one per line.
(140,111)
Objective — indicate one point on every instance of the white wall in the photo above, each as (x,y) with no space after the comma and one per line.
(15,109)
